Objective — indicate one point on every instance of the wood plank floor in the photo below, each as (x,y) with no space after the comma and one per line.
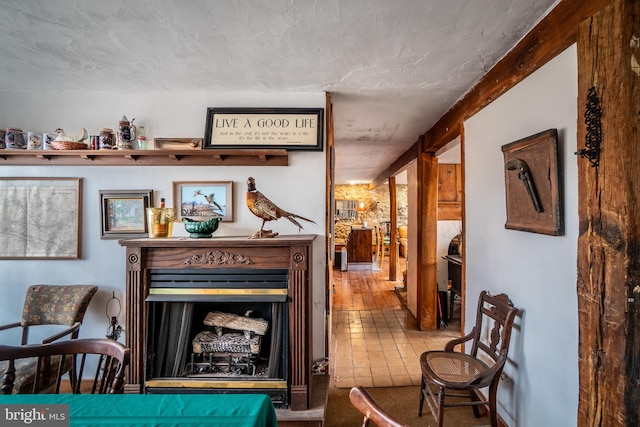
(359,290)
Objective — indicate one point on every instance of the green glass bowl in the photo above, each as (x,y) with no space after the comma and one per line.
(200,229)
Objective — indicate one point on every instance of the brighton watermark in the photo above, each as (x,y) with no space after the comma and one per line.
(55,415)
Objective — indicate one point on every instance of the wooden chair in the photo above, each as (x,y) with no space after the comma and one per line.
(47,305)
(109,357)
(383,246)
(369,408)
(481,367)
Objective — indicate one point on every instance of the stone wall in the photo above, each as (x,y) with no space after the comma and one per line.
(377,201)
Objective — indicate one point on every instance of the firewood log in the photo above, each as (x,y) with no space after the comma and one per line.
(233,321)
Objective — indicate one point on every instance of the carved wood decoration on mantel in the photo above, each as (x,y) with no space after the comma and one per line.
(283,252)
(217,258)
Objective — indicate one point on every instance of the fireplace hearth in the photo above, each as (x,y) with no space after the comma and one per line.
(223,315)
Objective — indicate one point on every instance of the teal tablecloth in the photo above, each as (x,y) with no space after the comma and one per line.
(224,410)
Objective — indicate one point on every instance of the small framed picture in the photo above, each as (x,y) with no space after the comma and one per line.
(123,213)
(203,200)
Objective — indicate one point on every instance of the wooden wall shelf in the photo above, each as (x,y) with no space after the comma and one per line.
(144,157)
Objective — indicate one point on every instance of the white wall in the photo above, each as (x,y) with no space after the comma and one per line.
(537,271)
(299,187)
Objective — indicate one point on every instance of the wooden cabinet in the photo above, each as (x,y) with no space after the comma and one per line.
(449,191)
(359,245)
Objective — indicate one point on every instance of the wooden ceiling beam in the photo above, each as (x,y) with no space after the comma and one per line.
(553,34)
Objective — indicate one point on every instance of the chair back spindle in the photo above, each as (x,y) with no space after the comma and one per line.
(109,357)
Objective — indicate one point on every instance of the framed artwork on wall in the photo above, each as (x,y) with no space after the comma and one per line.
(123,213)
(202,200)
(283,128)
(532,184)
(40,218)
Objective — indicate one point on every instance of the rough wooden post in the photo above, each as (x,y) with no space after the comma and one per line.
(609,211)
(427,237)
(393,232)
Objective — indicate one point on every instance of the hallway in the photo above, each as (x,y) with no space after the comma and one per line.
(374,339)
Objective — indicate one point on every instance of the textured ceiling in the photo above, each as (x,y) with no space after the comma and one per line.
(393,67)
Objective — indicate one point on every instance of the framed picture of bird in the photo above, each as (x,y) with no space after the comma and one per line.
(202,200)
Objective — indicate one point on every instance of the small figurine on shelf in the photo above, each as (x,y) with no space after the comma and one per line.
(65,141)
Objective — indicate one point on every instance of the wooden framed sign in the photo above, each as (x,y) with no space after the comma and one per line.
(287,128)
(532,184)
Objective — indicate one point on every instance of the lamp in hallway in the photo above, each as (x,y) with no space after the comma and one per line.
(362,210)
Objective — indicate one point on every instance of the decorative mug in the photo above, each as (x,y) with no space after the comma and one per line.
(106,139)
(14,138)
(34,141)
(47,139)
(126,134)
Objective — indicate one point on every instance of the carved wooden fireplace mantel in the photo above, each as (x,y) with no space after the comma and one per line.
(290,252)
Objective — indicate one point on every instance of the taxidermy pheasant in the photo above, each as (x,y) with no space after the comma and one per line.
(265,209)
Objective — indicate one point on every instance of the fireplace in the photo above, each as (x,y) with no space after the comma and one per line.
(221,315)
(218,330)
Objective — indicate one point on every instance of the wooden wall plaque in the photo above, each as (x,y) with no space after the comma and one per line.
(532,184)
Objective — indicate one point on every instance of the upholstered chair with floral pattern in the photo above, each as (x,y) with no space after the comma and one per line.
(48,305)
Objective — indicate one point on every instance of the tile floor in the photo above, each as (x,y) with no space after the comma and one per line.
(377,347)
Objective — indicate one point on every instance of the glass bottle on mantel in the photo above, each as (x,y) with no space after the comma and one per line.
(161,227)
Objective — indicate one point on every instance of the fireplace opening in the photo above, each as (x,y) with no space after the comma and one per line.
(218,332)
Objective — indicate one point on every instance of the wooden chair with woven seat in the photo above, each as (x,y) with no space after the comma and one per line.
(456,371)
(109,358)
(62,307)
(371,411)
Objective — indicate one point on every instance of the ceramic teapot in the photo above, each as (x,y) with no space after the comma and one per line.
(126,134)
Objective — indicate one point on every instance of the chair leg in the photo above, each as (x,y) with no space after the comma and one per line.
(441,407)
(493,414)
(474,398)
(423,384)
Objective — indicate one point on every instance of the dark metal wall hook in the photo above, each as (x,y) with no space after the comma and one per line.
(593,120)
